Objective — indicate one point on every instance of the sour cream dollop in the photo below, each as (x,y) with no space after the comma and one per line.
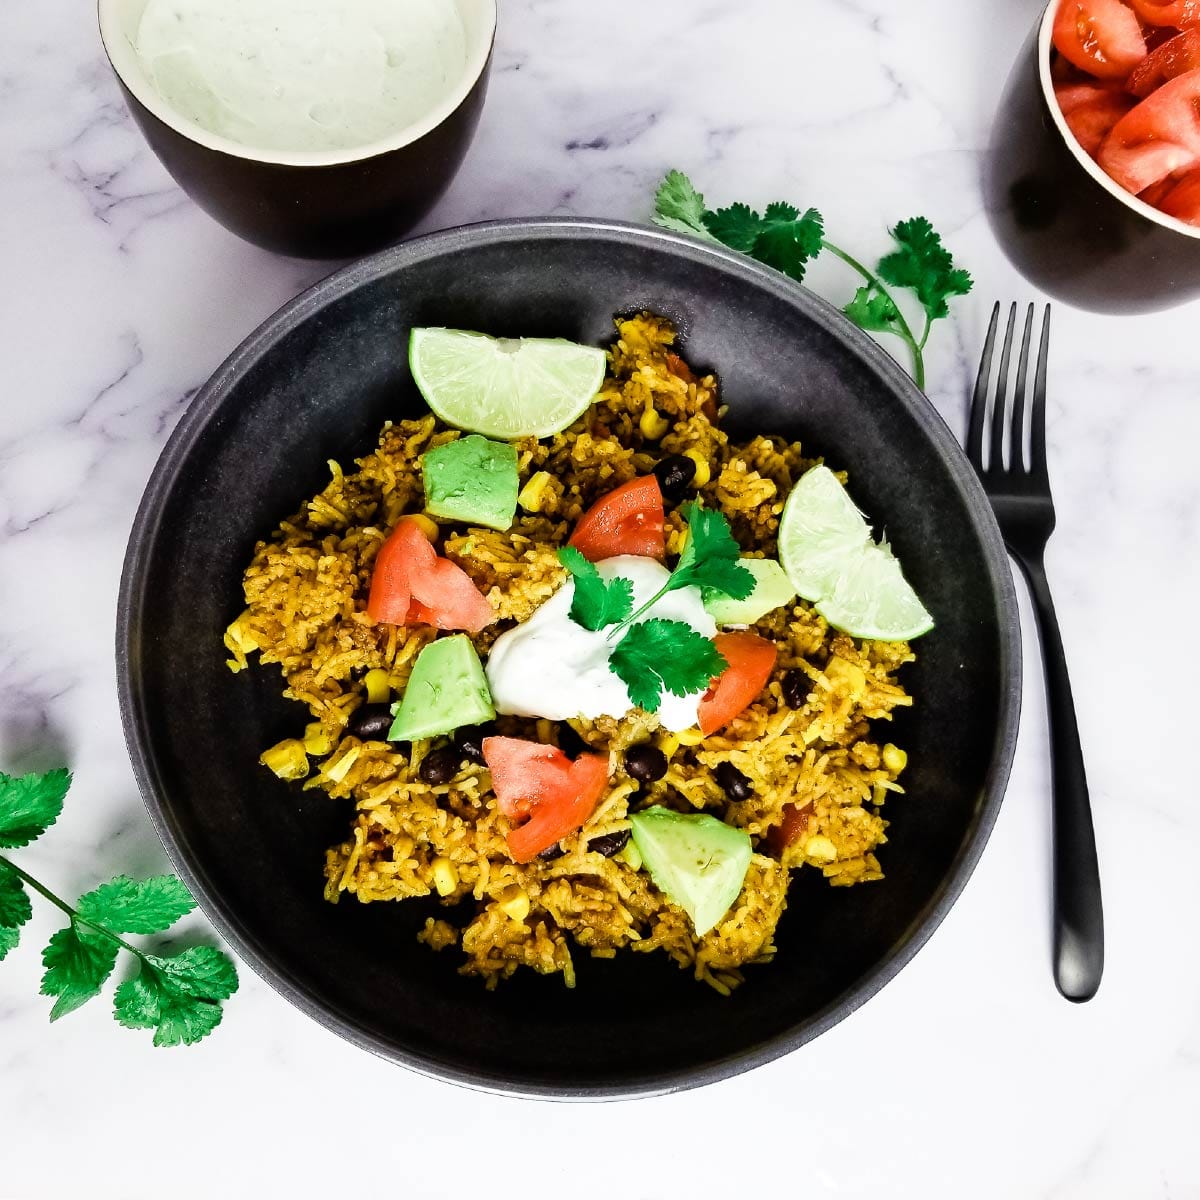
(551,667)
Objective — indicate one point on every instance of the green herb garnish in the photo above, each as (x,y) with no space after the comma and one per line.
(786,239)
(658,655)
(178,996)
(596,603)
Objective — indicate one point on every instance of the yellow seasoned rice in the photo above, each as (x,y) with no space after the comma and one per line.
(306,591)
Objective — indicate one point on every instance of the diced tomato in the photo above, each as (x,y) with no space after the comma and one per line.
(1183,200)
(751,660)
(628,520)
(1092,109)
(1175,56)
(793,826)
(1102,37)
(678,367)
(412,584)
(1180,13)
(540,782)
(1160,137)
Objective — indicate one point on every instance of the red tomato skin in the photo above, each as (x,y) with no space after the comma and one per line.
(1157,138)
(1091,110)
(551,822)
(406,549)
(795,823)
(1182,14)
(627,520)
(751,660)
(1173,58)
(523,772)
(1101,37)
(1183,200)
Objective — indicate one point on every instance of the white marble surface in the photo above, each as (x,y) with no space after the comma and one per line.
(968,1076)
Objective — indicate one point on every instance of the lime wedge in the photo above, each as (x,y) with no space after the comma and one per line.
(504,388)
(872,599)
(819,530)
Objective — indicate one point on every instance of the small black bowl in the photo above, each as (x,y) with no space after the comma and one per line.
(316,382)
(312,204)
(1064,224)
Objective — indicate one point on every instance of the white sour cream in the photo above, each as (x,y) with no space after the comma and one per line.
(302,74)
(551,667)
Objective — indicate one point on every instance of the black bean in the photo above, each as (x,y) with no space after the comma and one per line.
(645,763)
(440,765)
(796,686)
(569,741)
(609,844)
(733,783)
(552,852)
(674,474)
(469,740)
(370,722)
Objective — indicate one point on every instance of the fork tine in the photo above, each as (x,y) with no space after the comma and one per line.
(1016,437)
(979,400)
(1037,419)
(996,453)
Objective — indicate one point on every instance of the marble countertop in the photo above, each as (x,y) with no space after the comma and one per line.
(968,1075)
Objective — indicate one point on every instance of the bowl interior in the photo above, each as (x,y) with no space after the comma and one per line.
(317,383)
(118,30)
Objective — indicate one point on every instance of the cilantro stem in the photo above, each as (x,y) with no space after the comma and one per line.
(47,894)
(633,616)
(904,329)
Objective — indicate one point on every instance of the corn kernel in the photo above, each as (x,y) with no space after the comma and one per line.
(339,770)
(379,686)
(445,877)
(532,494)
(821,848)
(402,848)
(652,426)
(668,743)
(515,903)
(631,856)
(703,470)
(690,737)
(426,525)
(287,759)
(850,675)
(316,741)
(894,758)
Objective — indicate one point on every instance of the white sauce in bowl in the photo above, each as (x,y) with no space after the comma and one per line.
(302,75)
(551,667)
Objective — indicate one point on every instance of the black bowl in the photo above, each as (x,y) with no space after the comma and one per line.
(316,382)
(313,204)
(1064,224)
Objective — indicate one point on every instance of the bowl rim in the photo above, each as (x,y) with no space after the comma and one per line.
(123,60)
(206,406)
(1133,203)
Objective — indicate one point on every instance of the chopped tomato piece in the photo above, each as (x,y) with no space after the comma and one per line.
(1179,13)
(1160,137)
(751,660)
(628,520)
(1183,200)
(413,584)
(1175,56)
(540,782)
(678,367)
(793,826)
(1101,37)
(1092,109)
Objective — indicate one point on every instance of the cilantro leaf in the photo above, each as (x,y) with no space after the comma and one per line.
(678,206)
(873,310)
(124,905)
(77,963)
(782,237)
(922,264)
(711,555)
(179,998)
(15,908)
(30,805)
(8,939)
(737,226)
(596,603)
(658,655)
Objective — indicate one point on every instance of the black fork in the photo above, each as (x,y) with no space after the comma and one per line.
(1020,496)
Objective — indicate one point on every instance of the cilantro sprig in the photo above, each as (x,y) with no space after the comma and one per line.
(663,655)
(596,603)
(788,240)
(178,996)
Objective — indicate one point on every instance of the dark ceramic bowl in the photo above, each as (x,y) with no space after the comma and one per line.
(316,382)
(1066,226)
(314,204)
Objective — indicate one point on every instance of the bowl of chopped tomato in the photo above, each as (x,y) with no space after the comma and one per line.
(1093,174)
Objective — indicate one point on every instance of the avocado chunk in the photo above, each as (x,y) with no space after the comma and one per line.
(472,480)
(772,590)
(447,689)
(698,861)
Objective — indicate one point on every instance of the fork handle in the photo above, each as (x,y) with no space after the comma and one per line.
(1078,912)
